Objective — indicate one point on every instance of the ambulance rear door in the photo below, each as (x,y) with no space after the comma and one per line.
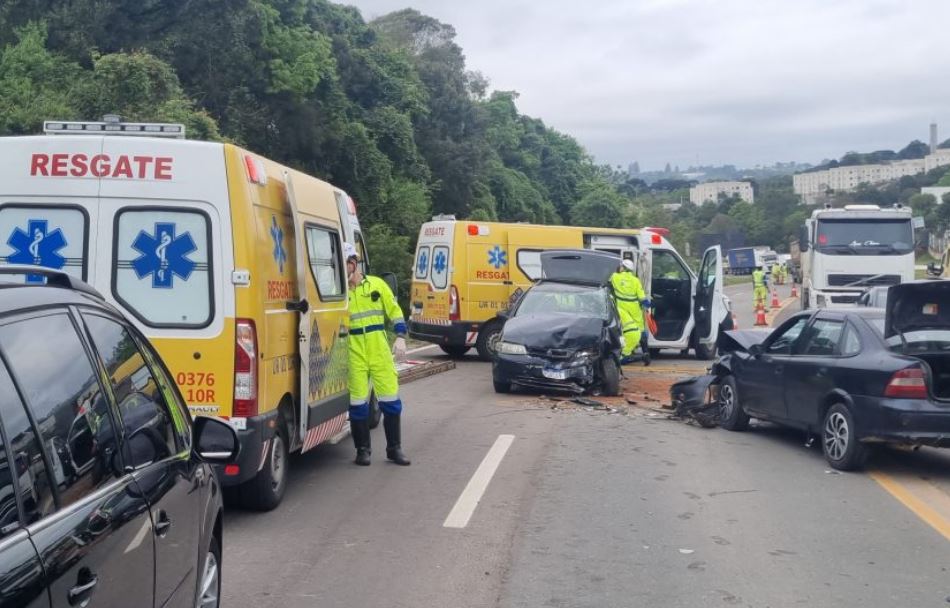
(708,303)
(49,204)
(434,295)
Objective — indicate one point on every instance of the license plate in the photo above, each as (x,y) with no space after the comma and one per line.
(555,374)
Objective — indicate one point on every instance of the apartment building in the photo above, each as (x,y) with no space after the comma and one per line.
(710,191)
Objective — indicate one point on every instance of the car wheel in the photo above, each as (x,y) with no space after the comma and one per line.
(487,339)
(501,387)
(375,414)
(209,590)
(611,377)
(839,440)
(455,351)
(731,416)
(265,491)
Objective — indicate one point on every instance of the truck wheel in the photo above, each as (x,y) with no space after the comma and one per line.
(611,377)
(487,338)
(265,491)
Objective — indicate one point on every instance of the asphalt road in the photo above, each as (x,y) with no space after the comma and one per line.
(590,508)
(742,304)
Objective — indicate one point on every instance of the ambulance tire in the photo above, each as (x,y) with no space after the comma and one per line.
(375,414)
(486,340)
(266,489)
(456,351)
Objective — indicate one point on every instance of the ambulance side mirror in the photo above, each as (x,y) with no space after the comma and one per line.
(392,281)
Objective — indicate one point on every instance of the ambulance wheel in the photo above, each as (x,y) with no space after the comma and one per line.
(487,338)
(455,351)
(375,414)
(265,491)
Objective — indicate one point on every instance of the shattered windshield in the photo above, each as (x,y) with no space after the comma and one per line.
(548,299)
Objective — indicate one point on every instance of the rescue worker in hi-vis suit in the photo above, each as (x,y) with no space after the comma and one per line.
(628,291)
(760,288)
(371,305)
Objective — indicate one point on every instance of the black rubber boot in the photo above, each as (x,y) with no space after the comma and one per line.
(394,440)
(360,431)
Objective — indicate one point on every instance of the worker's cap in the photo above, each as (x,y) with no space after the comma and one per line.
(628,264)
(349,251)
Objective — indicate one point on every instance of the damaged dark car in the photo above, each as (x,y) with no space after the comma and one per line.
(564,333)
(851,377)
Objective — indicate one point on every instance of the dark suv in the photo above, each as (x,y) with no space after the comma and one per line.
(107,496)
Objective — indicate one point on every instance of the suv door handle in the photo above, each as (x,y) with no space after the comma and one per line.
(81,594)
(163,524)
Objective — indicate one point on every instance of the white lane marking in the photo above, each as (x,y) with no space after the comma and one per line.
(420,349)
(465,506)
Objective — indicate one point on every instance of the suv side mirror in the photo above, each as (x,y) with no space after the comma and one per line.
(215,441)
(392,281)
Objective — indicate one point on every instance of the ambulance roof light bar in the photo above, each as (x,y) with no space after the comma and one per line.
(112,124)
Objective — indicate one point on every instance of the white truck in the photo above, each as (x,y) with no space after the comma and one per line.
(846,251)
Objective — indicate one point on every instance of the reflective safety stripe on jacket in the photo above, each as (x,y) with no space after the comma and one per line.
(371,305)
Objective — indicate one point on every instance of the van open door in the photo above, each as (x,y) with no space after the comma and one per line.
(303,307)
(708,306)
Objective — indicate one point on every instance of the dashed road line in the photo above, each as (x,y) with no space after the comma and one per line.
(464,507)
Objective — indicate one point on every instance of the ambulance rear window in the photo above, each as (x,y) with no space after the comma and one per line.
(52,236)
(440,267)
(423,261)
(162,271)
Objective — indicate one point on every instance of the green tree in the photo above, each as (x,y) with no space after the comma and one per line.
(601,206)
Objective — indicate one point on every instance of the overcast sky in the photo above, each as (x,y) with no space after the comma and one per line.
(719,81)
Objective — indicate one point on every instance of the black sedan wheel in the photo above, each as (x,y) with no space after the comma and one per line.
(731,416)
(839,441)
(611,377)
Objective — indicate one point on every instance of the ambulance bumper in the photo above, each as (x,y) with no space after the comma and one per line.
(255,440)
(457,333)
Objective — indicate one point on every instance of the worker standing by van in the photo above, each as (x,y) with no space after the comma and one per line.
(630,296)
(760,287)
(371,305)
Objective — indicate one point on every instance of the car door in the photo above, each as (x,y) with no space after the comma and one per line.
(708,307)
(157,450)
(809,373)
(761,379)
(86,517)
(22,581)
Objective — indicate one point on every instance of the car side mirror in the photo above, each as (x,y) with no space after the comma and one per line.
(756,350)
(215,441)
(803,239)
(934,270)
(392,281)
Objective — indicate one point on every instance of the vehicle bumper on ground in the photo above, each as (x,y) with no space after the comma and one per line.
(910,421)
(536,372)
(457,333)
(254,441)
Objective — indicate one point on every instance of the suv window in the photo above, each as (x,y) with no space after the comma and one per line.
(150,428)
(62,392)
(162,270)
(49,236)
(21,468)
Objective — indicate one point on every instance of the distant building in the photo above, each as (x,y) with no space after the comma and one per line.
(811,186)
(936,191)
(710,191)
(678,206)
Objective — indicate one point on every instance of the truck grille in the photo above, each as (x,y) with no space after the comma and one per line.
(841,280)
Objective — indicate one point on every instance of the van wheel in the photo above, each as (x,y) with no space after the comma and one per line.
(265,491)
(374,412)
(611,377)
(487,339)
(455,351)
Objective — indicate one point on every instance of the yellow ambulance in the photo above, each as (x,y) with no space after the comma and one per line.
(466,272)
(230,263)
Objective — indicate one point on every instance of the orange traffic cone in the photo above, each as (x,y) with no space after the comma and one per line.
(775,303)
(760,317)
(794,290)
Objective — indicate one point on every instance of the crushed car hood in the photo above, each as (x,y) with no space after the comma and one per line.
(916,306)
(741,339)
(554,331)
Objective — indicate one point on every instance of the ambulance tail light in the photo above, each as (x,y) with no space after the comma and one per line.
(256,172)
(245,369)
(454,314)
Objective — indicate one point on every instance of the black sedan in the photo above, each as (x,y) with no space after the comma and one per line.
(853,376)
(564,333)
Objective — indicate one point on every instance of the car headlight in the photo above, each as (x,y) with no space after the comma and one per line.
(510,348)
(583,356)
